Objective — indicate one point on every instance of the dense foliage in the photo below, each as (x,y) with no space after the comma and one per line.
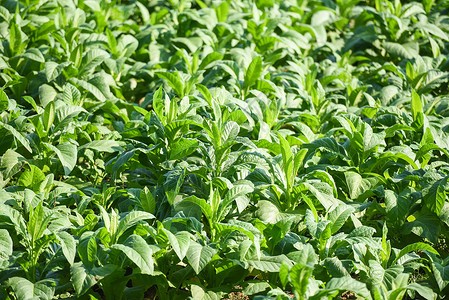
(266,149)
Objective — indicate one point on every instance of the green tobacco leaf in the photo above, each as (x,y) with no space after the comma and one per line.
(182,148)
(97,89)
(191,44)
(84,278)
(174,81)
(87,249)
(71,95)
(434,30)
(158,105)
(254,288)
(246,228)
(283,275)
(222,11)
(38,222)
(324,194)
(33,54)
(15,39)
(47,93)
(32,178)
(144,12)
(65,115)
(328,145)
(122,160)
(53,70)
(205,92)
(287,158)
(127,45)
(428,148)
(335,267)
(6,245)
(173,183)
(4,101)
(210,59)
(24,289)
(109,146)
(407,50)
(435,196)
(230,132)
(199,293)
(91,60)
(444,214)
(253,72)
(147,200)
(424,291)
(268,212)
(358,185)
(300,276)
(416,105)
(426,226)
(139,252)
(376,271)
(130,220)
(339,216)
(114,285)
(176,129)
(391,131)
(269,263)
(199,256)
(67,154)
(414,247)
(397,206)
(180,242)
(349,284)
(49,116)
(299,161)
(68,245)
(18,136)
(15,217)
(306,256)
(11,163)
(239,190)
(441,274)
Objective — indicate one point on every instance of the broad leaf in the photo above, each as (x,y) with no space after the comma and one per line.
(32,178)
(24,289)
(84,278)
(139,252)
(6,244)
(414,247)
(253,72)
(180,242)
(68,245)
(199,256)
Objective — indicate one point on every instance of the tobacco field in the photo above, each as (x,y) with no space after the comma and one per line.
(218,149)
